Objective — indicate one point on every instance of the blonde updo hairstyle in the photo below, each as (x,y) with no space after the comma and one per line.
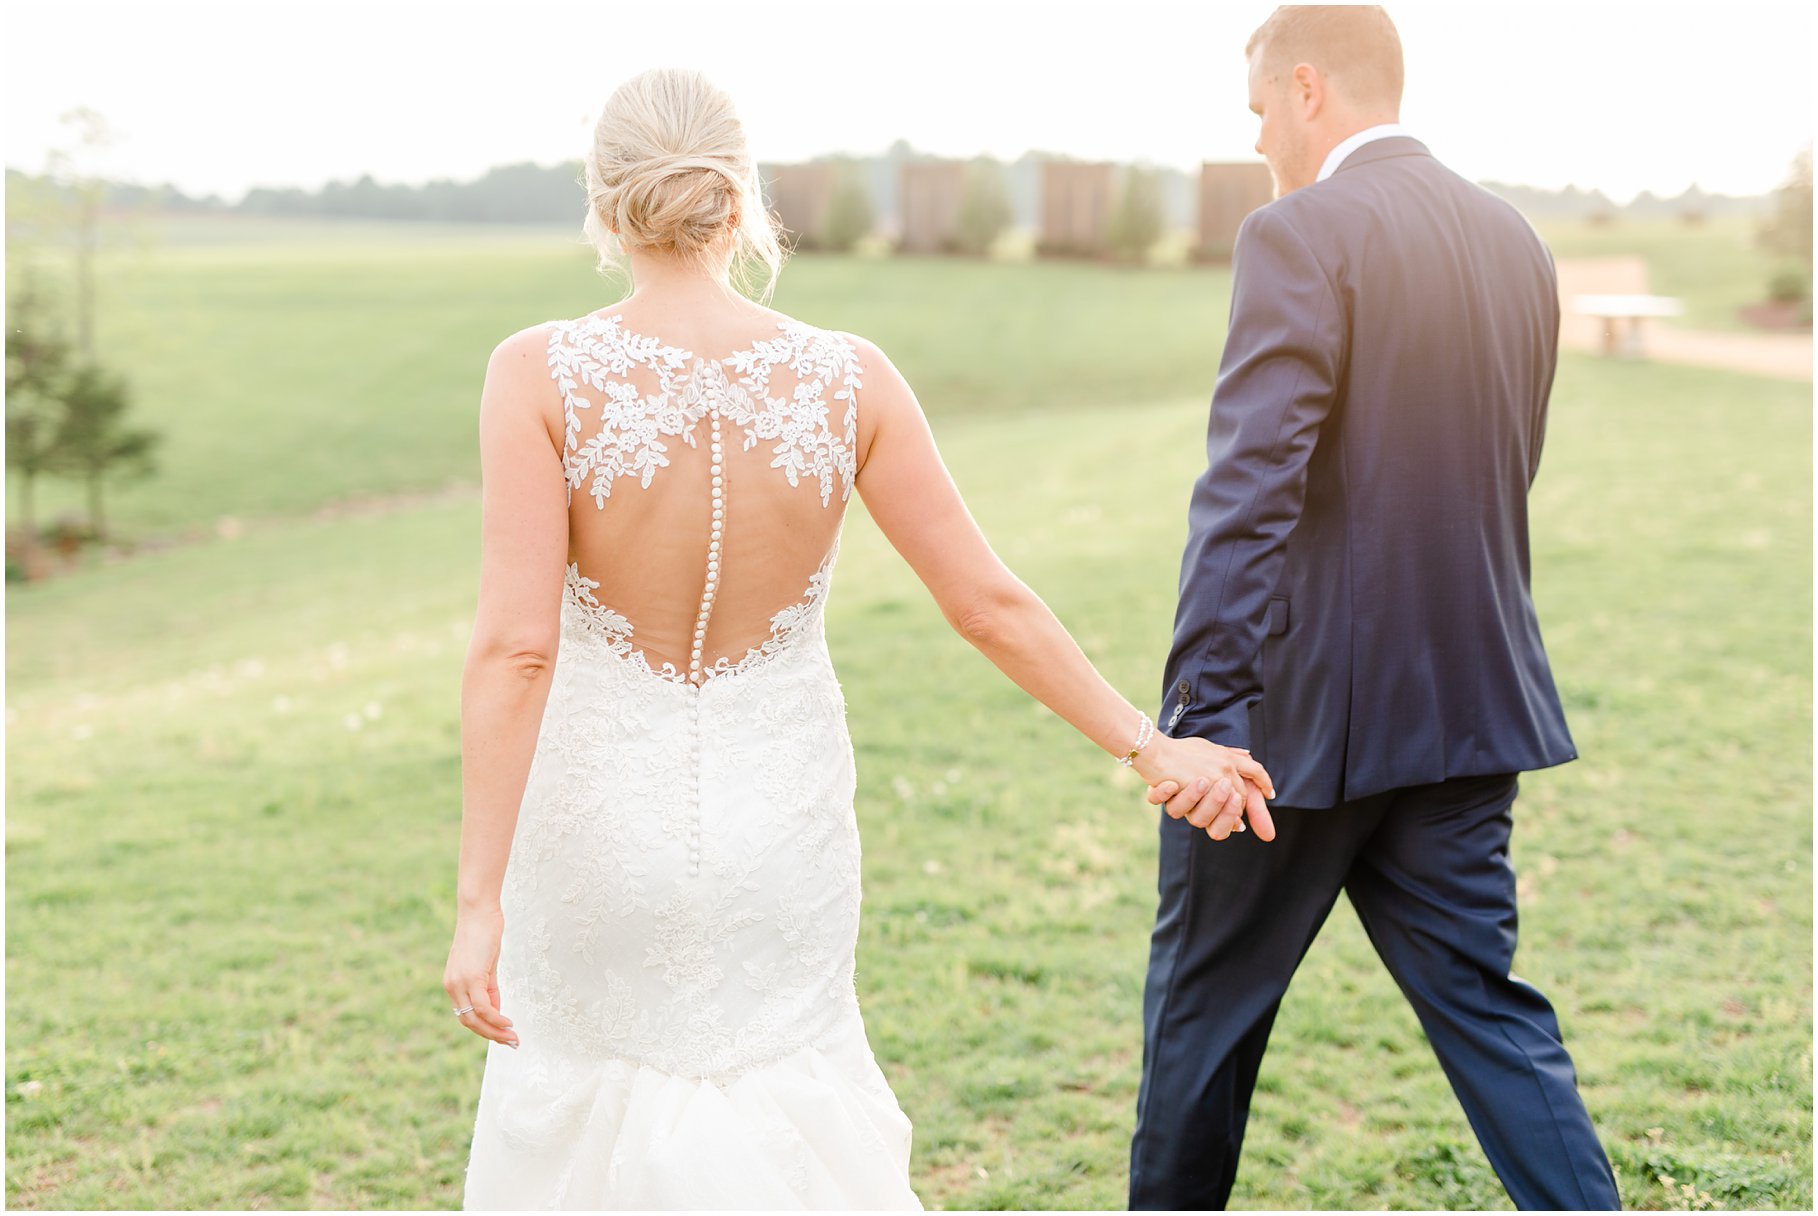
(670,172)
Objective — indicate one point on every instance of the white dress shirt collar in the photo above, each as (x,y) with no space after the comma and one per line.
(1352,143)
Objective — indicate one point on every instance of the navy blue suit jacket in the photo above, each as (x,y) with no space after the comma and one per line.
(1354,596)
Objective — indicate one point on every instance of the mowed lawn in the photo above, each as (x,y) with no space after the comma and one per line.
(233,789)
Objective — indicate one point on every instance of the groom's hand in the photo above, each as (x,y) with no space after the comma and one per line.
(1220,810)
(1212,787)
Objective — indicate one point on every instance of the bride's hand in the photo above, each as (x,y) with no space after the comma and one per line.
(1211,786)
(472,974)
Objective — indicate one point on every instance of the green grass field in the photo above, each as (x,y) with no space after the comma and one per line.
(233,793)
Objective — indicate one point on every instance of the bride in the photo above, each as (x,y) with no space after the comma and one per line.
(659,862)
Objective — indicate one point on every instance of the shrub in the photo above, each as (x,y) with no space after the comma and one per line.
(1789,228)
(1790,285)
(985,211)
(1139,217)
(849,214)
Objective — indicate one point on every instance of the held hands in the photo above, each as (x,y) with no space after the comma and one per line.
(471,979)
(1210,786)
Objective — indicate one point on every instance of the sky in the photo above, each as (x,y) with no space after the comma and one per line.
(222,97)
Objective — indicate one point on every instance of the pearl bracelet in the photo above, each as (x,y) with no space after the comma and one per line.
(1145,731)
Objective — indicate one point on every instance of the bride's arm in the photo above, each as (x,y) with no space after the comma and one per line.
(908,491)
(510,656)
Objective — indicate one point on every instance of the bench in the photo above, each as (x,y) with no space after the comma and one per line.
(1614,310)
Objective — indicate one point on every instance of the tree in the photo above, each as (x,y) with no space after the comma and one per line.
(1789,229)
(92,441)
(84,190)
(849,215)
(35,225)
(985,210)
(37,372)
(1139,217)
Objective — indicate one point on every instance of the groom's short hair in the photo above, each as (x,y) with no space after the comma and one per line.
(1354,44)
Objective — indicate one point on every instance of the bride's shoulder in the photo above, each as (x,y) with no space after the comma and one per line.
(883,390)
(887,405)
(526,347)
(872,365)
(878,377)
(804,332)
(557,342)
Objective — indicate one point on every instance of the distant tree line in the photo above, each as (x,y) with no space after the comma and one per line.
(529,193)
(1573,204)
(523,193)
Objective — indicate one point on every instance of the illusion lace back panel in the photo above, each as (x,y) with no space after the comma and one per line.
(681,900)
(720,485)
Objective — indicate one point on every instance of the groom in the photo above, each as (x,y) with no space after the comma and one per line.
(1354,608)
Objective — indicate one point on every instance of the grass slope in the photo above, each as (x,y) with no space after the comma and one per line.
(286,374)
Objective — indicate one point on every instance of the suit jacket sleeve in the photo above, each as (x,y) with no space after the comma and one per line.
(1537,439)
(1277,382)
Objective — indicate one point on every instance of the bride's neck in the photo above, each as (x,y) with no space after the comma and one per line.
(654,277)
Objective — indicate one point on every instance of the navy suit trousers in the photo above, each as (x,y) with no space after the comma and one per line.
(1427,869)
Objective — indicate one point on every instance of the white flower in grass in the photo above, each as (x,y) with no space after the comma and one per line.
(353,721)
(373,710)
(903,788)
(281,703)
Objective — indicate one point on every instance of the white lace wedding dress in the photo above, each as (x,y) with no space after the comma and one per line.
(681,901)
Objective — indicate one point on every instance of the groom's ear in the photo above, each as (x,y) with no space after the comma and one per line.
(1307,90)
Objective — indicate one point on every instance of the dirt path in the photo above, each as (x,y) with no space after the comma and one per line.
(1786,356)
(44,561)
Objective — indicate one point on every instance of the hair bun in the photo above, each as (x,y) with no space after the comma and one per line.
(669,170)
(676,202)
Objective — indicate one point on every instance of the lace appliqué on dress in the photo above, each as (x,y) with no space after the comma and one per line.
(631,424)
(806,444)
(600,352)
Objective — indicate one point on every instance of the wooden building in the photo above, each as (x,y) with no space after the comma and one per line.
(1077,198)
(931,194)
(800,195)
(1228,193)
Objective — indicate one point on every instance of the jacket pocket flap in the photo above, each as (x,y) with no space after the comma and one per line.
(1278,615)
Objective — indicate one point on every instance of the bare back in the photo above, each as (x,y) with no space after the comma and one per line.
(706,489)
